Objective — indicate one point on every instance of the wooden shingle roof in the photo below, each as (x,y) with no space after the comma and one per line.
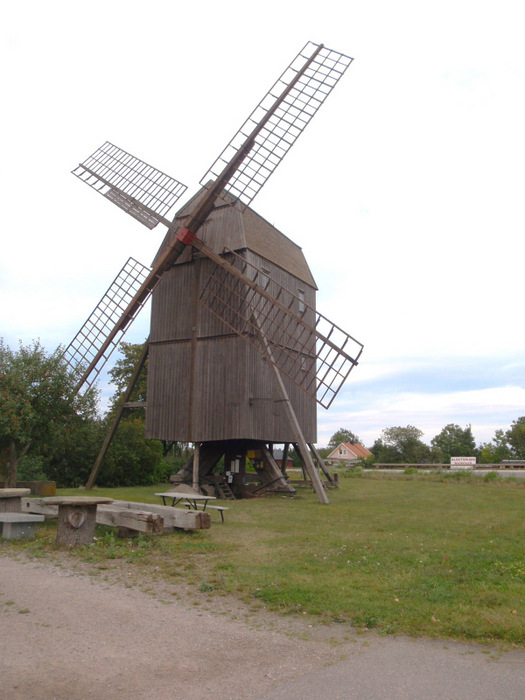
(230,228)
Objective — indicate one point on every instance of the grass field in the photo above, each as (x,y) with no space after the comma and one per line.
(414,555)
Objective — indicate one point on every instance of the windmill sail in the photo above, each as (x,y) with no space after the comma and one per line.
(305,346)
(241,169)
(92,346)
(140,190)
(279,119)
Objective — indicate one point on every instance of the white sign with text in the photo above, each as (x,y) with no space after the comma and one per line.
(462,462)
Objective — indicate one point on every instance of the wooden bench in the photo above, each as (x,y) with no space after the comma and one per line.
(17,526)
(140,517)
(221,509)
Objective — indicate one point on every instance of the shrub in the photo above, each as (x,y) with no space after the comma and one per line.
(353,473)
(131,459)
(491,476)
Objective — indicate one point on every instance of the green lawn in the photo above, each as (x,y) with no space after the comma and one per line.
(399,555)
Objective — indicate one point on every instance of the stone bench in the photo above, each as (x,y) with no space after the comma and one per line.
(11,500)
(17,526)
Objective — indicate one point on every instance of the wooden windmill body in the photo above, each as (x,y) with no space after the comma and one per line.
(206,385)
(238,354)
(229,392)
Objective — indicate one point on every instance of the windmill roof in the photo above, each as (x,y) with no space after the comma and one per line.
(230,228)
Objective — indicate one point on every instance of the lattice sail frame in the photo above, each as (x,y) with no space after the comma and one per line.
(303,344)
(142,191)
(90,339)
(287,122)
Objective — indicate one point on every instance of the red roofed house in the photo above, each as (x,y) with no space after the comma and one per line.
(349,452)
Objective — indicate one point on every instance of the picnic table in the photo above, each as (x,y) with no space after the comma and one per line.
(76,518)
(195,501)
(192,499)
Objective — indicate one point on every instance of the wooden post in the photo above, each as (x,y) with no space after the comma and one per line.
(76,518)
(320,462)
(196,465)
(284,460)
(118,416)
(76,525)
(299,437)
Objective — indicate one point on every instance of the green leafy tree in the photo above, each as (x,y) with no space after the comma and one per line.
(401,445)
(37,398)
(122,372)
(497,450)
(516,438)
(342,435)
(324,451)
(131,459)
(71,451)
(455,441)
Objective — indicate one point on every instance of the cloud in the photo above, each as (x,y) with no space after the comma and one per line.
(485,393)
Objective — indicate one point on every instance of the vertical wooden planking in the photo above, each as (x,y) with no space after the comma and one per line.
(205,383)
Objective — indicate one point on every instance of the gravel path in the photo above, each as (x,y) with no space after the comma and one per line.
(66,634)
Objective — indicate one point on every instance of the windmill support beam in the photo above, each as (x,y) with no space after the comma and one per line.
(284,459)
(305,453)
(116,420)
(322,465)
(276,474)
(296,428)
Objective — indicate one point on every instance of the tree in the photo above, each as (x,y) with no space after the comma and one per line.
(401,445)
(37,397)
(454,441)
(122,372)
(131,459)
(496,451)
(71,450)
(342,435)
(516,438)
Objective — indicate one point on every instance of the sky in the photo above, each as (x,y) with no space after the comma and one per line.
(406,191)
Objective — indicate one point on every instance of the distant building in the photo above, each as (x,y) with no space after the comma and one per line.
(348,452)
(278,456)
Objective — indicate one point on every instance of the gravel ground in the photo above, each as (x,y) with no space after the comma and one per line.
(68,634)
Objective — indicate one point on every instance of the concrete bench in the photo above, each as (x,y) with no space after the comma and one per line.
(17,526)
(11,500)
(220,509)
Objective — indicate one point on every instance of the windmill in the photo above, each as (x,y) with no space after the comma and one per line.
(238,354)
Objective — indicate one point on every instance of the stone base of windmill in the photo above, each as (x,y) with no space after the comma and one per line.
(76,519)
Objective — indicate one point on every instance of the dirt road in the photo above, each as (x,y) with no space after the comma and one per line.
(66,634)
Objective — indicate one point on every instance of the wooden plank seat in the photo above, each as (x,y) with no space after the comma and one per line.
(141,517)
(17,526)
(220,509)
